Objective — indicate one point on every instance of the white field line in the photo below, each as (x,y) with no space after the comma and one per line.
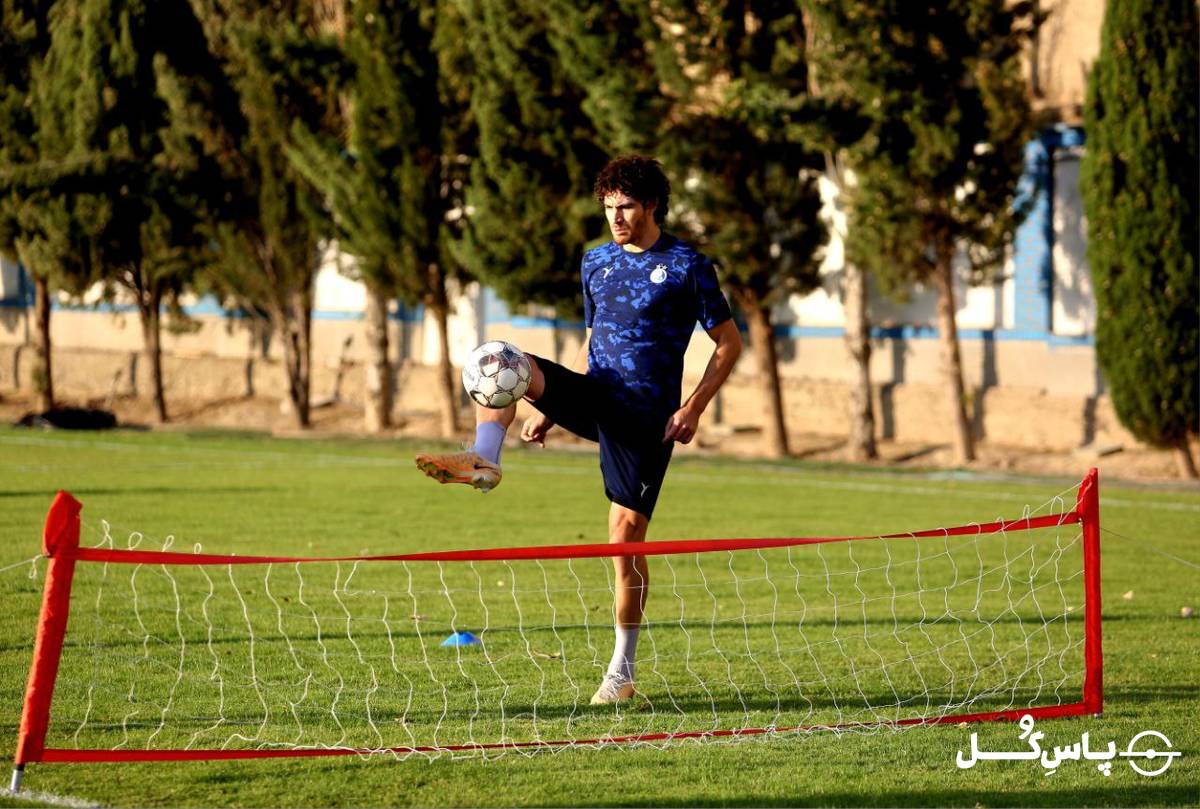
(802,479)
(780,474)
(52,799)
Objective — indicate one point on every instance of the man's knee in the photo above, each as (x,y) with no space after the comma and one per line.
(537,380)
(626,525)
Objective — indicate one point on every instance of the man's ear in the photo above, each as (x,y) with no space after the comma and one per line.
(649,206)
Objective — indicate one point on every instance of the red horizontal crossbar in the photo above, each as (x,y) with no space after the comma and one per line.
(61,755)
(659,548)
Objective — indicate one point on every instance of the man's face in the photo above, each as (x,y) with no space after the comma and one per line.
(628,219)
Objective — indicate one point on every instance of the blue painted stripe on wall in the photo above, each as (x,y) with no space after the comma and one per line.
(205,309)
(522,322)
(931,333)
(837,332)
(210,308)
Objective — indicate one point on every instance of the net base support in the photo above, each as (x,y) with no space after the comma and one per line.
(64,755)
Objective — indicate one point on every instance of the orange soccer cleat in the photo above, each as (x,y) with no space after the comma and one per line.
(461,467)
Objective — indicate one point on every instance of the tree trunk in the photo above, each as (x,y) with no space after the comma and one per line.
(762,343)
(964,441)
(43,372)
(294,326)
(378,414)
(1184,461)
(858,343)
(149,306)
(440,306)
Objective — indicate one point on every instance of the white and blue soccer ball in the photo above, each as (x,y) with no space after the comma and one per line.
(496,374)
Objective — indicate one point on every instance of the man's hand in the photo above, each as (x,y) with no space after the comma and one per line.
(682,425)
(535,428)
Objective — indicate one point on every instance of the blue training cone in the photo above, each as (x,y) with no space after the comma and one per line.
(461,639)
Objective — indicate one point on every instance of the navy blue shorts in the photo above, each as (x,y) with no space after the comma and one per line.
(633,457)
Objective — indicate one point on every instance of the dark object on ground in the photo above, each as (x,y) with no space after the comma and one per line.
(71,418)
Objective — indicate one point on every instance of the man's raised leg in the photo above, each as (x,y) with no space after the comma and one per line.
(633,586)
(480,466)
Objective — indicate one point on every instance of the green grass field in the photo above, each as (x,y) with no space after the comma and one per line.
(882,630)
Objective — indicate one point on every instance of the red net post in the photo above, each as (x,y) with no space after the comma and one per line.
(60,543)
(1088,507)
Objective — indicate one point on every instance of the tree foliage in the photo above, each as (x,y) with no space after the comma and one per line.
(144,190)
(50,228)
(274,70)
(749,195)
(945,106)
(529,205)
(380,176)
(1140,184)
(386,177)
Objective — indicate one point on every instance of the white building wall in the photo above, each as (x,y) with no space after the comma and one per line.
(335,288)
(979,307)
(10,279)
(1074,306)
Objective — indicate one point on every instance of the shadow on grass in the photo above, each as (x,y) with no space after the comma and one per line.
(1115,795)
(1115,696)
(555,635)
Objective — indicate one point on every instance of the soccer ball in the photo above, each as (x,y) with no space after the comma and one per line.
(496,374)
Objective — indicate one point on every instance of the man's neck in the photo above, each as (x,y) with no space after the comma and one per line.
(647,240)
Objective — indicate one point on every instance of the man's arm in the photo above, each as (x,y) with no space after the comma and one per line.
(534,430)
(581,359)
(682,425)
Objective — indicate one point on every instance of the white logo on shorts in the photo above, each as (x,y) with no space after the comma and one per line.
(660,274)
(644,487)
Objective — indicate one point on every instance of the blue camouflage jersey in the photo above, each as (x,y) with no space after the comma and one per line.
(642,309)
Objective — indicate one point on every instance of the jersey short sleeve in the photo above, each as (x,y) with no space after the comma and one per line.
(711,307)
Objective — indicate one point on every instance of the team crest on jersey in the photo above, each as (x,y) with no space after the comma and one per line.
(660,274)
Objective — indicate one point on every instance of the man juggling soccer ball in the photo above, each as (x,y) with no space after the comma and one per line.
(643,294)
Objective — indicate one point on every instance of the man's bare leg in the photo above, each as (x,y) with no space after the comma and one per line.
(480,465)
(633,575)
(633,586)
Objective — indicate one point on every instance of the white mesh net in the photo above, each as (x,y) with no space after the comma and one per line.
(847,635)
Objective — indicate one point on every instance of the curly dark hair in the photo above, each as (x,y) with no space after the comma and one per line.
(639,177)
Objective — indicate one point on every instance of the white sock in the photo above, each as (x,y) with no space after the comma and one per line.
(489,438)
(624,652)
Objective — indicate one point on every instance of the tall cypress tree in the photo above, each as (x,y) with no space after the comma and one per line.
(24,39)
(1139,179)
(144,187)
(712,89)
(44,223)
(835,128)
(749,197)
(385,181)
(941,89)
(276,70)
(529,204)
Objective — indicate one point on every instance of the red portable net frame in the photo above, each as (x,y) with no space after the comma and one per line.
(62,548)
